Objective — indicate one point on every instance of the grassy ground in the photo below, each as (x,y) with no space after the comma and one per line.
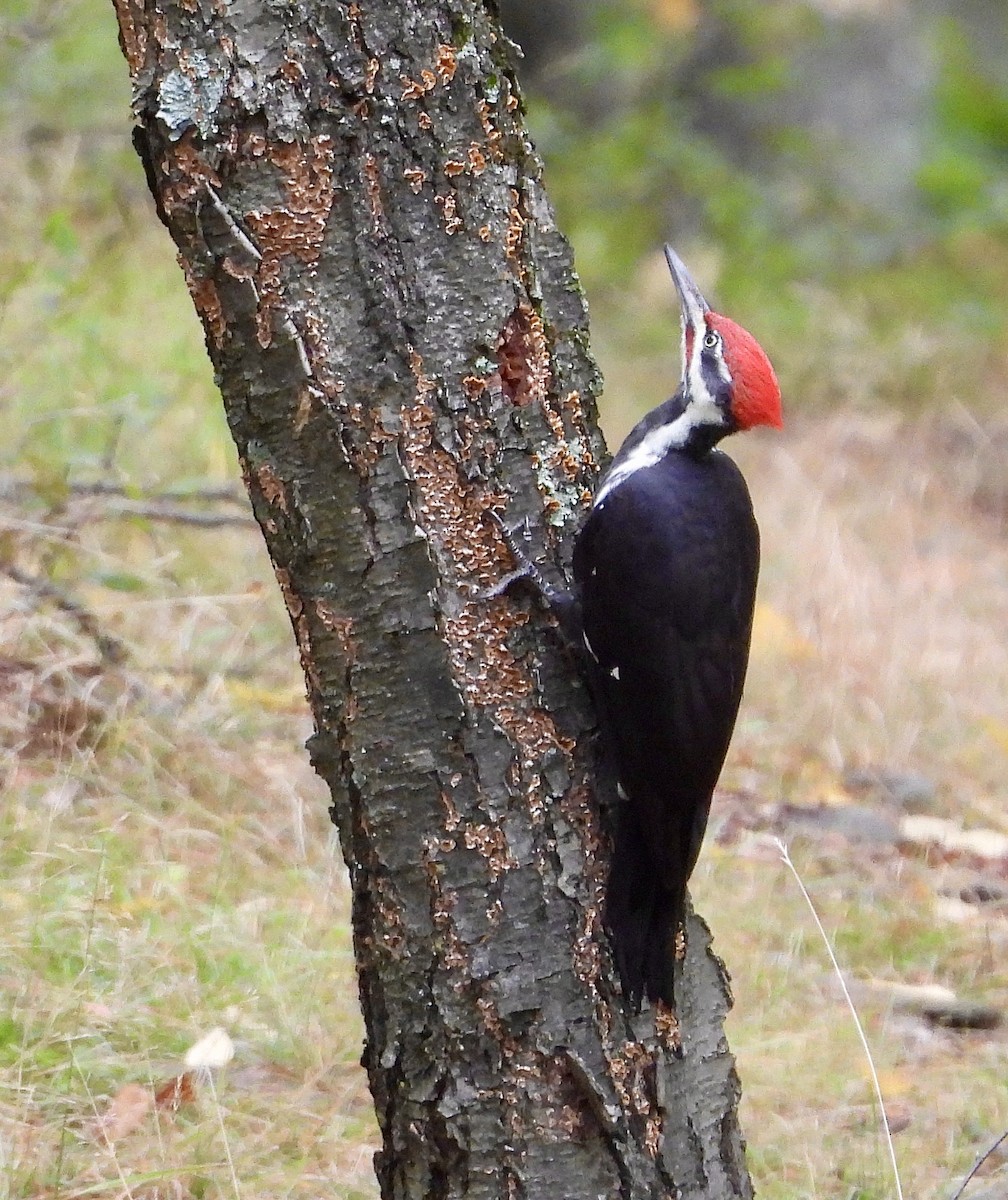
(166,861)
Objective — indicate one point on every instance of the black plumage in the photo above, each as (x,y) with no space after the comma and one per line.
(666,617)
(665,572)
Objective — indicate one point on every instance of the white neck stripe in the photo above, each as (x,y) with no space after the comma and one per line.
(653,447)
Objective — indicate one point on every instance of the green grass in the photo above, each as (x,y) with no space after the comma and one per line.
(166,860)
(179,889)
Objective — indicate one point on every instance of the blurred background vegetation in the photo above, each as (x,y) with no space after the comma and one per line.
(834,172)
(835,168)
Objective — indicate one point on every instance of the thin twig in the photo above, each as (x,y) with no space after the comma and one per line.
(225,494)
(14,487)
(244,240)
(111,649)
(786,857)
(175,515)
(160,506)
(979,1163)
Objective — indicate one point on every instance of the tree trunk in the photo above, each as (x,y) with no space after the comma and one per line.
(401,345)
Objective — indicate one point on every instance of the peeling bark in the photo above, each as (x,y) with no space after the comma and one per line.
(401,345)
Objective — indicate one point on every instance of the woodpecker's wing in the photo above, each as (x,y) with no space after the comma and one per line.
(667,620)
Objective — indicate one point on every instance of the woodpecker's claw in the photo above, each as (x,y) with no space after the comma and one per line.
(502,585)
(525,569)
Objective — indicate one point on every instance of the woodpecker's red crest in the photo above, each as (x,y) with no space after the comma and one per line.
(724,368)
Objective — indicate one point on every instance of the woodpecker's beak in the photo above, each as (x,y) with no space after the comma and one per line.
(694,306)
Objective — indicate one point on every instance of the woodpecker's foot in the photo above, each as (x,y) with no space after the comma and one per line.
(525,568)
(503,585)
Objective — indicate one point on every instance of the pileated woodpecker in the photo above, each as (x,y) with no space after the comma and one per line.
(665,571)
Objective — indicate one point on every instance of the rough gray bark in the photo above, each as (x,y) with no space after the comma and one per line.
(401,345)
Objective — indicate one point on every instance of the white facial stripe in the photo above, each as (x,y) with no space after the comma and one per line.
(696,386)
(653,448)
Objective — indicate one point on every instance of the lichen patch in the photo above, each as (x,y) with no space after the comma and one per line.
(493,135)
(299,621)
(490,842)
(455,953)
(565,468)
(372,190)
(515,232)
(449,212)
(392,937)
(341,626)
(371,75)
(304,410)
(296,230)
(291,598)
(446,62)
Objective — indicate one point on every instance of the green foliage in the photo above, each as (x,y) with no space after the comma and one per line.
(963,180)
(634,157)
(100,351)
(969,104)
(61,67)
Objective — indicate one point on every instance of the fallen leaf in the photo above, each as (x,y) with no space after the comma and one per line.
(954,910)
(984,843)
(176,1092)
(925,830)
(125,1113)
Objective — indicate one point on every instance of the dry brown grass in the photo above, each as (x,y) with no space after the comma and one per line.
(882,643)
(894,587)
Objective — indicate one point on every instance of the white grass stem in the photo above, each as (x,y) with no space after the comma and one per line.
(224,1136)
(786,859)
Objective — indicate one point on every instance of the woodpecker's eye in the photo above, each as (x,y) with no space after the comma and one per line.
(711,340)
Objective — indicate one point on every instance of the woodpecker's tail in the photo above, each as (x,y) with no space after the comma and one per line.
(642,915)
